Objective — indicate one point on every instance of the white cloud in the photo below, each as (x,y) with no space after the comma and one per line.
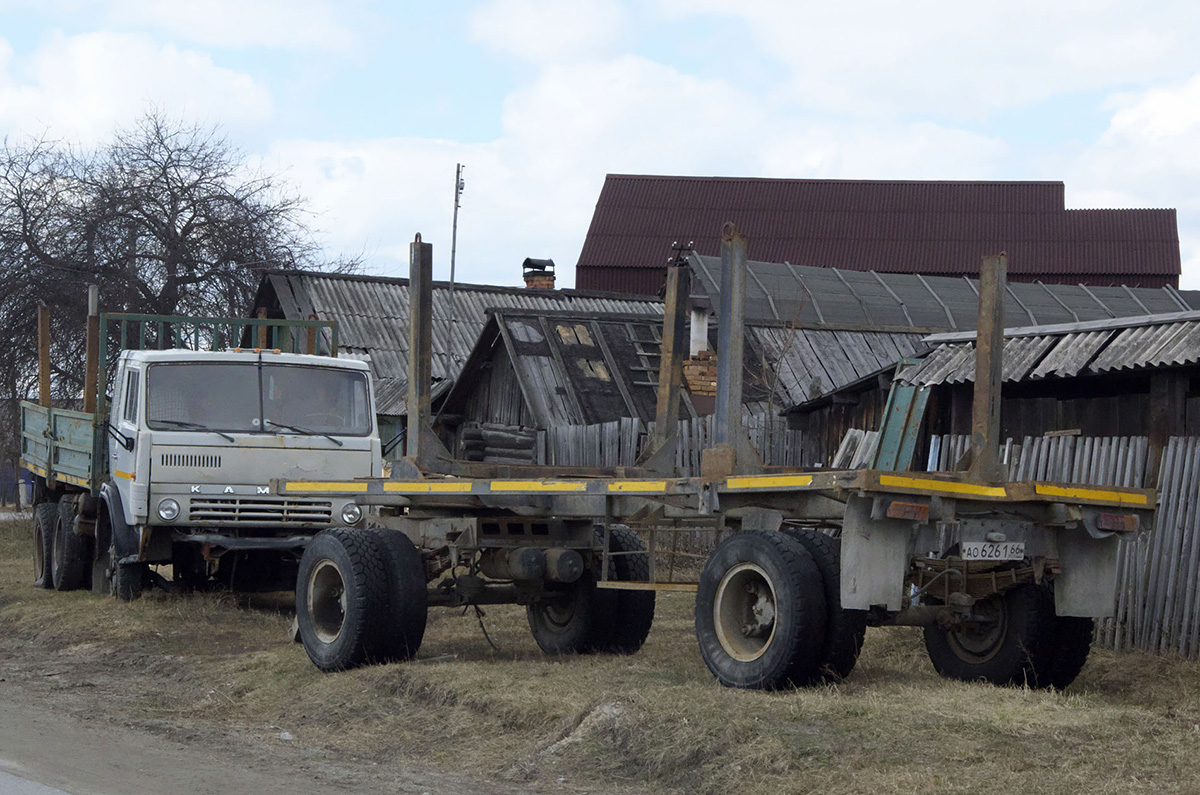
(81,87)
(1150,157)
(960,61)
(532,191)
(290,24)
(549,31)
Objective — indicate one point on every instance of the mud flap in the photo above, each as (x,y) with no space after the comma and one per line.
(875,554)
(1088,585)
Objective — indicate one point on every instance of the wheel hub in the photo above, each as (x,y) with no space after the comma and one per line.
(982,635)
(327,600)
(744,612)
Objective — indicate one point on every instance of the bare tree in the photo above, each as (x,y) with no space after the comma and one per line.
(168,218)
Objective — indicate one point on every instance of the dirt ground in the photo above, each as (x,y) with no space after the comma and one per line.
(213,678)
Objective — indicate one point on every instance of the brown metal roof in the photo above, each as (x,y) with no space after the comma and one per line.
(942,228)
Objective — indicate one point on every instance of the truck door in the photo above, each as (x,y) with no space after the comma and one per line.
(122,462)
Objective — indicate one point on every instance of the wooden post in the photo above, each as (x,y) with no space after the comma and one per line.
(92,365)
(44,355)
(989,372)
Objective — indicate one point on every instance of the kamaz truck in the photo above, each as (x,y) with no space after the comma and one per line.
(176,467)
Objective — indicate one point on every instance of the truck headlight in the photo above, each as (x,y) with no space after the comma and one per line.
(351,514)
(168,510)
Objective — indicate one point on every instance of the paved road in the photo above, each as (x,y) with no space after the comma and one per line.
(14,785)
(82,755)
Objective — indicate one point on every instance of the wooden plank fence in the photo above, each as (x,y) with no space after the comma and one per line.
(618,443)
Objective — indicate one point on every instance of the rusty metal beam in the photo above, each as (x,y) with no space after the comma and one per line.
(731,332)
(424,452)
(989,372)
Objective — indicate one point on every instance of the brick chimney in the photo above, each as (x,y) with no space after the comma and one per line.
(539,274)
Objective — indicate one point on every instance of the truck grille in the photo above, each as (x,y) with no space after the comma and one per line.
(259,510)
(191,460)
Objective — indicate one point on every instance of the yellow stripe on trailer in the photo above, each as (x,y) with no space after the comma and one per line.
(342,487)
(768,482)
(640,486)
(429,487)
(1119,497)
(950,486)
(537,485)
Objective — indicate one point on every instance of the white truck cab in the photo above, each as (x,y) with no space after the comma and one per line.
(196,436)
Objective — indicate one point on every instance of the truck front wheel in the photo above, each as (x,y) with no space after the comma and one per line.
(45,517)
(760,612)
(128,579)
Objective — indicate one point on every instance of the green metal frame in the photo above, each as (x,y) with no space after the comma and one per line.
(901,424)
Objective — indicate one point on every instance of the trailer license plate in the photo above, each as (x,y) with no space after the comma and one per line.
(989,550)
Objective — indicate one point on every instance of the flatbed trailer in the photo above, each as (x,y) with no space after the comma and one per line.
(1006,577)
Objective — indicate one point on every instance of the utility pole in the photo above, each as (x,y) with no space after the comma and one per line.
(459,184)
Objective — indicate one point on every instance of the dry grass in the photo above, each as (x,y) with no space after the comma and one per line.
(656,720)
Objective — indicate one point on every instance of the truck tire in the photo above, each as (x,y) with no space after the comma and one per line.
(1068,651)
(623,618)
(1010,649)
(342,598)
(844,629)
(408,603)
(760,612)
(565,622)
(128,579)
(45,517)
(71,562)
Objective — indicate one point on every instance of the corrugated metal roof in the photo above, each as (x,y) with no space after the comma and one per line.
(1065,351)
(898,227)
(831,297)
(372,315)
(804,364)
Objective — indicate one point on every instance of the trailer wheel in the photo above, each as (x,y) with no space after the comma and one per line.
(1068,651)
(845,629)
(45,517)
(342,598)
(70,563)
(1010,647)
(565,622)
(408,602)
(760,612)
(623,618)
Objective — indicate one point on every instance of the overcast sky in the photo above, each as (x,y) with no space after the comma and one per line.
(367,106)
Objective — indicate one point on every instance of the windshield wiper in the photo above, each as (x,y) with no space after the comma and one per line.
(305,431)
(195,426)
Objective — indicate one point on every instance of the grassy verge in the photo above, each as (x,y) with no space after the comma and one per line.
(654,720)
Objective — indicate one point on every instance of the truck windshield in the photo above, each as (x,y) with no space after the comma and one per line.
(246,398)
